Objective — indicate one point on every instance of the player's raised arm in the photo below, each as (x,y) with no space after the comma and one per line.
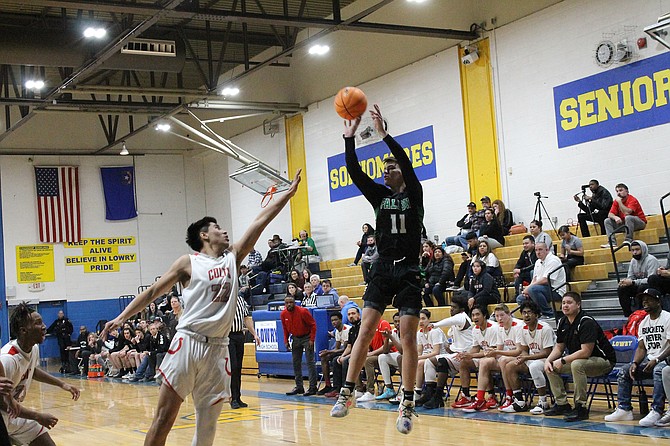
(250,237)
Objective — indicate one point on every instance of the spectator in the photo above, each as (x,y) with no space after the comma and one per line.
(172,317)
(523,270)
(368,230)
(327,356)
(661,282)
(540,236)
(390,357)
(439,275)
(327,287)
(540,291)
(297,279)
(482,289)
(572,249)
(157,347)
(315,280)
(582,351)
(465,225)
(491,231)
(308,250)
(492,263)
(62,329)
(596,208)
(293,291)
(345,305)
(654,337)
(309,296)
(368,258)
(642,265)
(152,312)
(299,323)
(503,215)
(75,350)
(244,289)
(306,275)
(118,355)
(254,259)
(426,254)
(464,270)
(91,352)
(626,211)
(480,217)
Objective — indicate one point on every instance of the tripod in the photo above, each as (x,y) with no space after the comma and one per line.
(537,213)
(583,205)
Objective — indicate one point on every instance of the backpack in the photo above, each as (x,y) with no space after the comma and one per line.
(630,329)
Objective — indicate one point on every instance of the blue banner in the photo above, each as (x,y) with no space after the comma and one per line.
(419,146)
(118,184)
(620,100)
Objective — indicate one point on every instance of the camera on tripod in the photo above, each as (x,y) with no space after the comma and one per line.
(584,187)
(537,194)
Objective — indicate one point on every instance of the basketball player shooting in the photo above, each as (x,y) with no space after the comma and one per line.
(197,361)
(394,278)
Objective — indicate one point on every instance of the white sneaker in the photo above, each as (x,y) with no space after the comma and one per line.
(352,264)
(344,401)
(605,245)
(620,415)
(651,419)
(665,420)
(358,394)
(128,375)
(367,396)
(406,414)
(540,408)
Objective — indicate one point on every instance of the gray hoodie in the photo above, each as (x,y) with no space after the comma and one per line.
(640,270)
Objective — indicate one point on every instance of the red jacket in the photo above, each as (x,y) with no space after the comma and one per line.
(298,322)
(632,204)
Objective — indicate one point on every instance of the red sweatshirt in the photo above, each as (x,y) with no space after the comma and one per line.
(631,203)
(298,322)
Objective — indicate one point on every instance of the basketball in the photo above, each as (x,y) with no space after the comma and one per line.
(350,103)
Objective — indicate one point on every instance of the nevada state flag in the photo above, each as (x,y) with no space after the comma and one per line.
(118,184)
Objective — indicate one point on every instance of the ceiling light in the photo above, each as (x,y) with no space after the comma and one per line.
(230,91)
(163,127)
(34,84)
(97,33)
(124,149)
(319,50)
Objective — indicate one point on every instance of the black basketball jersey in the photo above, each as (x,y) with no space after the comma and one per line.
(398,216)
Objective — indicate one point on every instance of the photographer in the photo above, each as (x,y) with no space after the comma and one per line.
(594,207)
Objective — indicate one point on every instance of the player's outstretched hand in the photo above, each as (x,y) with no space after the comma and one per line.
(47,420)
(378,121)
(350,127)
(73,390)
(6,385)
(294,185)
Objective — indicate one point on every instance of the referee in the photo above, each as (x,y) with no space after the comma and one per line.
(236,349)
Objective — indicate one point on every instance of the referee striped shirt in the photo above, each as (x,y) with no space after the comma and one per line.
(241,311)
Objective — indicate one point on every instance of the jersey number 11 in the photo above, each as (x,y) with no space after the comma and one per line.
(398,224)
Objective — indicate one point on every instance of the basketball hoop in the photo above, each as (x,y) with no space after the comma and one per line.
(268,195)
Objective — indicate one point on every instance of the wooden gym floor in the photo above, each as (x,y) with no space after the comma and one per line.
(113,412)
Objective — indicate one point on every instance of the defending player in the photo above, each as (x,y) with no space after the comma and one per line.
(394,277)
(197,362)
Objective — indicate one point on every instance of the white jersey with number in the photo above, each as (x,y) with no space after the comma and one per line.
(486,340)
(426,341)
(19,366)
(208,307)
(541,338)
(509,338)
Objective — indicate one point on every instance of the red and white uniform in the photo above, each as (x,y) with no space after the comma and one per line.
(486,340)
(198,361)
(427,338)
(537,341)
(20,366)
(342,336)
(509,338)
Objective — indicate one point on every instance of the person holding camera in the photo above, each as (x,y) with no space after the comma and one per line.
(595,207)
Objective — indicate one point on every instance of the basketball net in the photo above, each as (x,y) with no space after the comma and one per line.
(267,197)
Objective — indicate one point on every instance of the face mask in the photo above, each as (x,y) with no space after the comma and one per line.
(637,257)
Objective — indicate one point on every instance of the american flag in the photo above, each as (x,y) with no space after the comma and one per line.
(58,204)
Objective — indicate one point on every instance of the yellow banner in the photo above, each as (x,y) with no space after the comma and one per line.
(102,242)
(101,267)
(35,264)
(101,255)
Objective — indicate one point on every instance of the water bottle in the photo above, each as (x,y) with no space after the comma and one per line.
(644,402)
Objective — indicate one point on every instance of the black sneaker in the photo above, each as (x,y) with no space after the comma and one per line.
(296,391)
(325,390)
(242,403)
(234,404)
(579,413)
(311,391)
(558,409)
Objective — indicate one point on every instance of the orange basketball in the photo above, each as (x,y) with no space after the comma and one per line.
(350,103)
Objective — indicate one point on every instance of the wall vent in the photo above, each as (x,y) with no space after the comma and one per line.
(150,47)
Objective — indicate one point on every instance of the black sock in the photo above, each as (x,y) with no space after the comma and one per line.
(465,391)
(409,395)
(349,385)
(518,395)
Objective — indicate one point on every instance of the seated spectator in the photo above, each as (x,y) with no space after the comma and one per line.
(537,341)
(172,317)
(118,355)
(363,243)
(431,343)
(368,258)
(480,215)
(523,270)
(91,353)
(306,275)
(503,215)
(661,282)
(464,270)
(327,287)
(492,263)
(582,351)
(295,292)
(465,225)
(152,312)
(535,227)
(482,290)
(244,289)
(341,363)
(345,305)
(315,280)
(654,337)
(626,211)
(594,208)
(439,275)
(254,259)
(572,249)
(156,347)
(642,265)
(327,356)
(296,277)
(375,349)
(138,352)
(540,291)
(74,350)
(491,231)
(308,248)
(309,296)
(426,255)
(390,357)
